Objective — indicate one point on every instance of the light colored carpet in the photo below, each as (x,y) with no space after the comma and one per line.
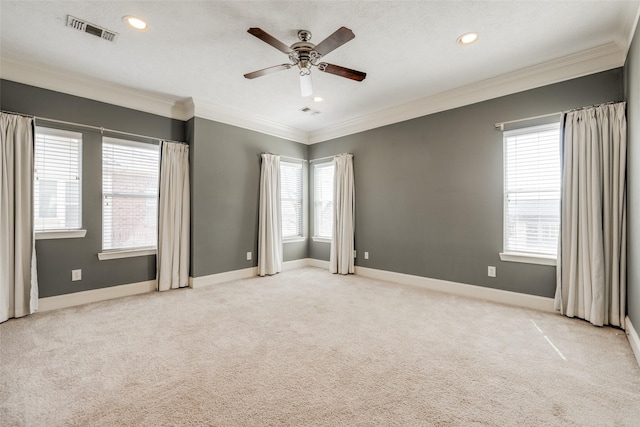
(306,347)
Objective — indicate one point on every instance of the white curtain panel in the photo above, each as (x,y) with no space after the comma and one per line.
(18,283)
(270,217)
(342,239)
(591,268)
(173,217)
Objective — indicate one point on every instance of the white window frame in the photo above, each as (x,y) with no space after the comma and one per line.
(317,203)
(43,232)
(298,237)
(127,252)
(518,256)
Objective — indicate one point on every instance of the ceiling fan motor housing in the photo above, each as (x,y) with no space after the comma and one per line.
(304,55)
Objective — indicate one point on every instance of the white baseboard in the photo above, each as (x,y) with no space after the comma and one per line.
(312,262)
(227,276)
(297,263)
(634,340)
(471,291)
(95,295)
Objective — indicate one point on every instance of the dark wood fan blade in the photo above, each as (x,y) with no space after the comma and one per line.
(267,38)
(266,71)
(335,40)
(342,71)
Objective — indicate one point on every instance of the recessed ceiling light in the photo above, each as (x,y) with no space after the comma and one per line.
(318,99)
(468,38)
(135,23)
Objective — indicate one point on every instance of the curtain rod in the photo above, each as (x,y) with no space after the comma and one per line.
(294,158)
(501,124)
(303,160)
(17,114)
(99,128)
(287,157)
(321,158)
(325,158)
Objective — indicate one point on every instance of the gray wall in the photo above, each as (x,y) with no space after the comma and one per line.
(56,258)
(225,178)
(225,172)
(429,191)
(632,91)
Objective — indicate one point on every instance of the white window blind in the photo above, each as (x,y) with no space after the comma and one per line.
(323,200)
(130,194)
(291,199)
(58,180)
(532,190)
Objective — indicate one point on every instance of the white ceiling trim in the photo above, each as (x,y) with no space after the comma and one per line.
(590,61)
(629,29)
(46,77)
(208,110)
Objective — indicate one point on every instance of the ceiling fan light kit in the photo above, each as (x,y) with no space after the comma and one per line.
(304,55)
(306,87)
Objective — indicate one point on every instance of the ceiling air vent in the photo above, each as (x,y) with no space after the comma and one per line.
(94,30)
(310,111)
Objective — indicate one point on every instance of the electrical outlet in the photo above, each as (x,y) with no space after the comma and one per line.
(354,253)
(491,271)
(248,256)
(76,275)
(366,255)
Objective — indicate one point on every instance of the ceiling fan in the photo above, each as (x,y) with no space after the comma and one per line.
(304,55)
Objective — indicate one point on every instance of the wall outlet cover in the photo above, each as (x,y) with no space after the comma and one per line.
(248,256)
(491,271)
(76,275)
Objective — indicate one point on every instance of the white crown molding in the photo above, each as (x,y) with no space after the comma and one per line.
(628,30)
(590,61)
(601,58)
(208,110)
(20,71)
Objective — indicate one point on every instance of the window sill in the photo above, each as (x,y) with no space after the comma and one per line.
(527,258)
(293,240)
(62,234)
(322,239)
(102,256)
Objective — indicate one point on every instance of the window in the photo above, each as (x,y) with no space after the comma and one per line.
(130,194)
(57,183)
(532,190)
(291,199)
(323,200)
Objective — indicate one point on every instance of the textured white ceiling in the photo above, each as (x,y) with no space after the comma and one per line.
(408,49)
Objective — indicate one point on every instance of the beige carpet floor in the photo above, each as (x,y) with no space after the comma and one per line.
(308,348)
